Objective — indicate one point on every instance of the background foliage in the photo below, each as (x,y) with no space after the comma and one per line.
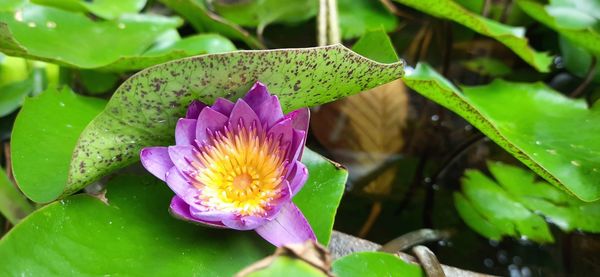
(491,134)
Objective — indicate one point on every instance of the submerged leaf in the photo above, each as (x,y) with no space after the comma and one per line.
(144,110)
(364,131)
(514,204)
(537,128)
(513,37)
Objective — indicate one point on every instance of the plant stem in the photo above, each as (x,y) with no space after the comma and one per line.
(588,79)
(334,26)
(373,215)
(322,23)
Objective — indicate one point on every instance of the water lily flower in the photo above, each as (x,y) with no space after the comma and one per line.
(237,165)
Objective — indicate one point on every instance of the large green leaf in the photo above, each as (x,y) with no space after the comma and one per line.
(260,13)
(532,122)
(43,139)
(513,37)
(583,34)
(363,264)
(144,110)
(72,39)
(197,14)
(108,9)
(512,205)
(356,17)
(81,235)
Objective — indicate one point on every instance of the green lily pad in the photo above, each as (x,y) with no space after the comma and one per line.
(290,267)
(582,33)
(514,204)
(43,139)
(534,124)
(144,110)
(513,37)
(326,180)
(374,264)
(260,13)
(108,9)
(72,39)
(203,20)
(357,17)
(376,45)
(81,235)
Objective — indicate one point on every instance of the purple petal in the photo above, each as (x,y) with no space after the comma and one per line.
(269,112)
(290,226)
(182,188)
(245,223)
(185,131)
(297,146)
(257,95)
(223,106)
(285,196)
(156,160)
(201,213)
(297,177)
(242,112)
(194,109)
(211,120)
(282,131)
(301,119)
(181,210)
(184,158)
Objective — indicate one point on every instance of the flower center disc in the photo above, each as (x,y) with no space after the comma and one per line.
(242,181)
(241,171)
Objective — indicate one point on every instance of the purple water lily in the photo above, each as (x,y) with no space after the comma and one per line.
(237,165)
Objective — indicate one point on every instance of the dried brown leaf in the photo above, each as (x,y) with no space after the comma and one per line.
(363,131)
